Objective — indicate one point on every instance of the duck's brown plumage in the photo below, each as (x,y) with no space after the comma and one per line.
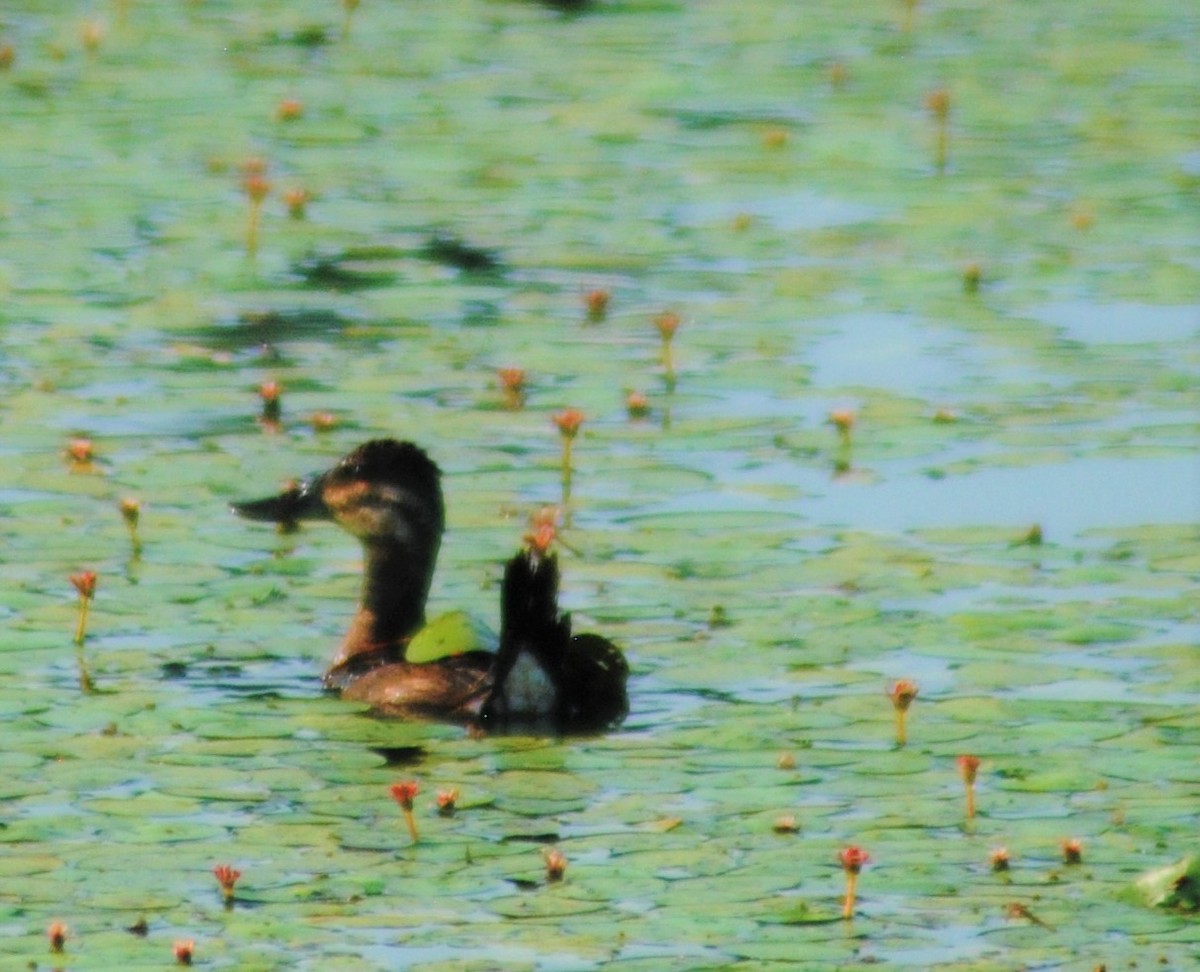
(388,494)
(453,688)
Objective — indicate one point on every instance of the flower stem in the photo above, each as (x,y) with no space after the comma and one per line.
(86,685)
(942,149)
(252,229)
(566,470)
(848,902)
(81,624)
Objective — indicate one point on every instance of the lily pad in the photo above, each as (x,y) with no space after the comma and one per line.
(450,634)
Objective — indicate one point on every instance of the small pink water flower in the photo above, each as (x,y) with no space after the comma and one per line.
(447,802)
(227,877)
(852,859)
(667,323)
(568,422)
(843,420)
(289,109)
(184,952)
(786,824)
(257,187)
(131,513)
(968,766)
(512,385)
(596,301)
(637,405)
(272,404)
(323,421)
(297,199)
(81,452)
(85,584)
(403,793)
(902,693)
(543,530)
(556,864)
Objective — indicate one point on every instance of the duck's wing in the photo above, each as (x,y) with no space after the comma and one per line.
(592,681)
(453,688)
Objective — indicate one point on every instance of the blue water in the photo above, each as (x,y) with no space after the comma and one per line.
(1120,323)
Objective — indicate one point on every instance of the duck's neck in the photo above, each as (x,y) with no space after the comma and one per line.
(396,582)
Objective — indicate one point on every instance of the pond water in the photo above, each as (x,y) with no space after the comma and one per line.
(1010,520)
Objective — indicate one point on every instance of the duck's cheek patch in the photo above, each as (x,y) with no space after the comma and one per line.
(349,506)
(344,497)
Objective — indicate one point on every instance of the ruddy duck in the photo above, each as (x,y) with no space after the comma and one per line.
(388,494)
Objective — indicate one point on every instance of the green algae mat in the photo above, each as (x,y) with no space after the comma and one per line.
(883,323)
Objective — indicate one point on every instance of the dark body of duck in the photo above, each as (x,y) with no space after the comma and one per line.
(388,494)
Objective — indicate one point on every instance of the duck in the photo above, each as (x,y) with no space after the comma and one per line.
(387,493)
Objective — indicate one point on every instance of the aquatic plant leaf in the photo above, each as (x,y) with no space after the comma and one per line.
(1011,521)
(450,634)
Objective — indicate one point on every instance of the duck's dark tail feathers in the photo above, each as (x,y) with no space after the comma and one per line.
(542,673)
(529,618)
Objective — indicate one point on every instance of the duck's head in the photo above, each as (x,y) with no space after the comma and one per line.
(385,492)
(389,495)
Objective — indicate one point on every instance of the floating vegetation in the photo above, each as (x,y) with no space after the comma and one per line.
(1010,523)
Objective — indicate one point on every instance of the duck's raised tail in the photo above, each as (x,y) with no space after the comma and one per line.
(542,673)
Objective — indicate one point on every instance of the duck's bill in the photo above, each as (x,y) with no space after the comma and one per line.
(301,502)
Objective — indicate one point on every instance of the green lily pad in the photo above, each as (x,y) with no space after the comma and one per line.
(450,634)
(1018,352)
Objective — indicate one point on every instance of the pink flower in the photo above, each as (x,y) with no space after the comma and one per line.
(556,864)
(568,422)
(853,858)
(447,800)
(842,419)
(903,693)
(596,302)
(85,583)
(404,792)
(667,323)
(227,877)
